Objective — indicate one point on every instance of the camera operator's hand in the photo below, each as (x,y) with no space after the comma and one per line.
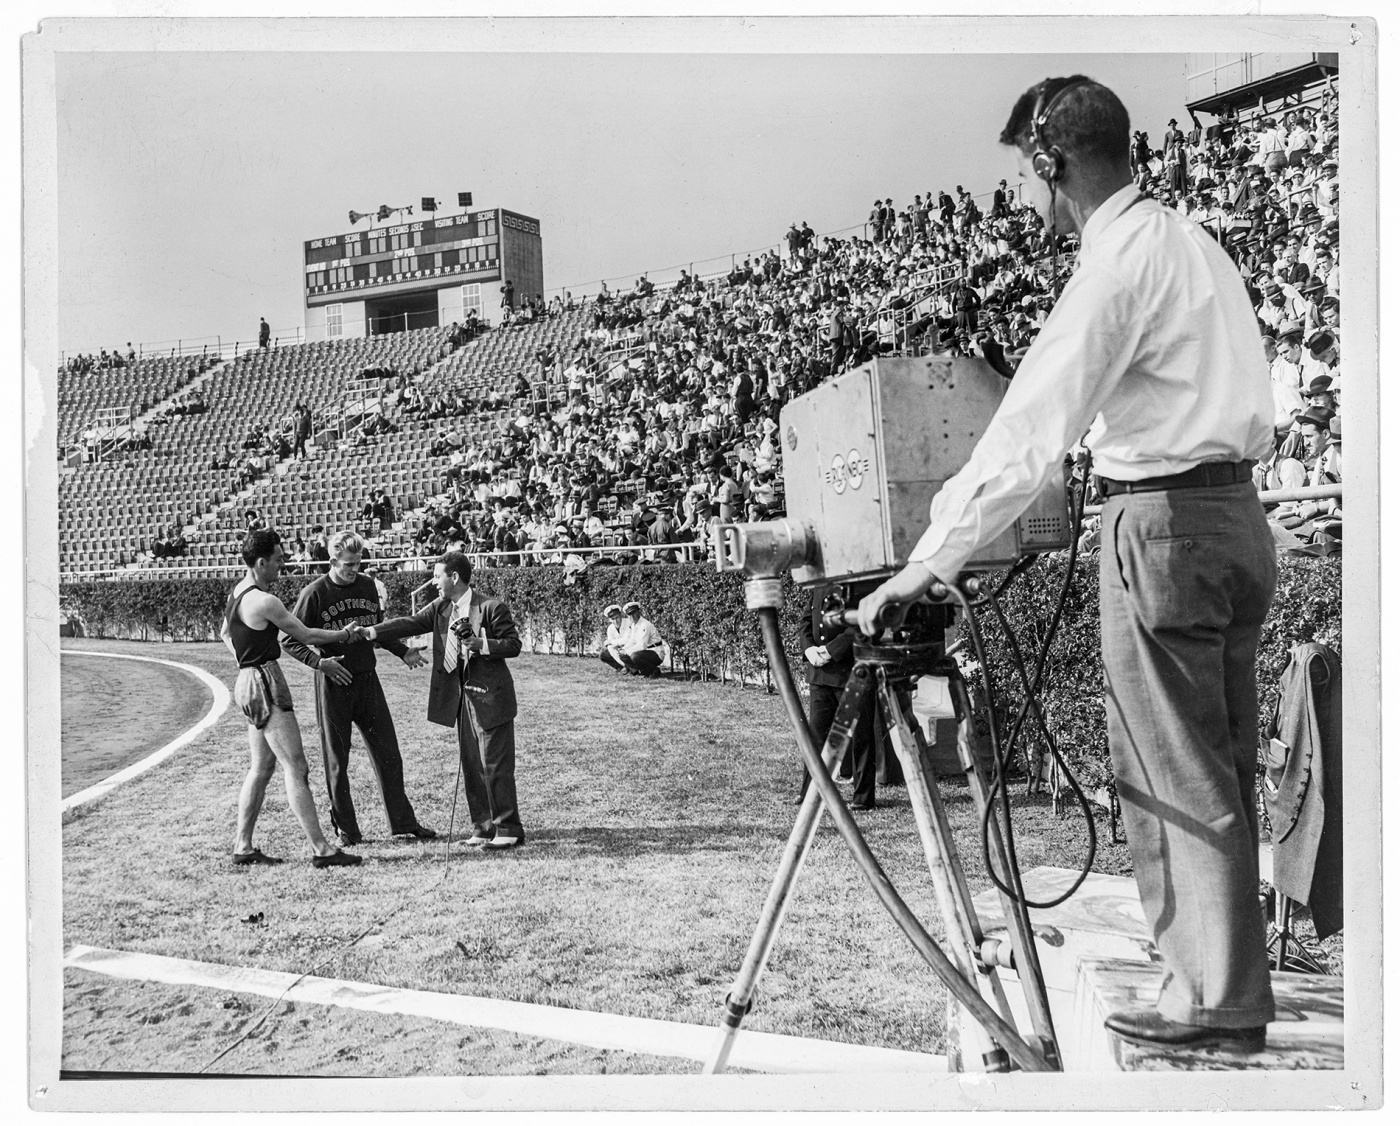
(910,584)
(817,655)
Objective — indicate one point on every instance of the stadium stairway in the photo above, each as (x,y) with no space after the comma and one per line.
(332,487)
(110,511)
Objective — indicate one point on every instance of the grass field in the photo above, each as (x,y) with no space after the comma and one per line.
(655,814)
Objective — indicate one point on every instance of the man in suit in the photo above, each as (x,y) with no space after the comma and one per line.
(473,637)
(829,659)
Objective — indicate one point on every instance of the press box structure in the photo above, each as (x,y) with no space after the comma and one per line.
(420,274)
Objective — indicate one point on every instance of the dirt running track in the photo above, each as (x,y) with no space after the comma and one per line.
(116,712)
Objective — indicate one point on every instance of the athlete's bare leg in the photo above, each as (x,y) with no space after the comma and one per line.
(280,742)
(261,763)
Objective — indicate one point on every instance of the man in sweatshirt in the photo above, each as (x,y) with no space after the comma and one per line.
(348,690)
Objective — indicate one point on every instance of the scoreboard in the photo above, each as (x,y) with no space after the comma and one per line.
(432,252)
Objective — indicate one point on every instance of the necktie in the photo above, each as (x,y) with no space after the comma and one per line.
(452,655)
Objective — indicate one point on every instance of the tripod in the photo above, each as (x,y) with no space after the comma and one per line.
(989,1039)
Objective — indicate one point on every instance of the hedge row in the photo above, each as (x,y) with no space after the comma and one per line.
(699,611)
(1307,607)
(701,614)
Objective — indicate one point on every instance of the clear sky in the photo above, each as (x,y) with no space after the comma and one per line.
(188,181)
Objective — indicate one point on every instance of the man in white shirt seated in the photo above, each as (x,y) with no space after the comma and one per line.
(619,630)
(1287,368)
(634,645)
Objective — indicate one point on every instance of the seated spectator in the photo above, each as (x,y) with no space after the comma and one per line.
(642,650)
(618,633)
(1318,521)
(380,509)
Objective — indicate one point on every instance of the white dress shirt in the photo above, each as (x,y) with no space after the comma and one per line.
(1152,348)
(618,634)
(643,635)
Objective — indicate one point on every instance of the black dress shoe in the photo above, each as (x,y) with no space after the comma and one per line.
(1151,1029)
(418,832)
(864,807)
(349,839)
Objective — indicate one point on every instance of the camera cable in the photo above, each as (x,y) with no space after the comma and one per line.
(1004,757)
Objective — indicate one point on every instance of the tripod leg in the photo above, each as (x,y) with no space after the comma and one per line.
(1017,916)
(1285,926)
(949,882)
(804,830)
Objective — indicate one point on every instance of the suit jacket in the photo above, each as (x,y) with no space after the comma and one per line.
(837,639)
(490,618)
(1303,792)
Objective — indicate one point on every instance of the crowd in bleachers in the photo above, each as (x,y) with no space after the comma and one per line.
(1267,188)
(84,362)
(636,419)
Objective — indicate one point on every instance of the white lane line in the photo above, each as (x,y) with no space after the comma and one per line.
(757,1051)
(216,709)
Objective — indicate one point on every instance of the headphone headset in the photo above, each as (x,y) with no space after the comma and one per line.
(1049,162)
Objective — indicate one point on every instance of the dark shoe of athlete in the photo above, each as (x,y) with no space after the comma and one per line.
(337,859)
(254,856)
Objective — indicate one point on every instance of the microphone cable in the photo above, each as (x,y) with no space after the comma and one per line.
(403,902)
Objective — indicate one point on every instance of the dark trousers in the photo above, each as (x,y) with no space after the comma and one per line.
(1186,577)
(362,704)
(488,774)
(860,756)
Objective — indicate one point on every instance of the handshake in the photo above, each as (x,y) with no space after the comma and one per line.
(356,632)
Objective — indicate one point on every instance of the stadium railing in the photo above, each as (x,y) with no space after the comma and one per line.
(548,556)
(203,346)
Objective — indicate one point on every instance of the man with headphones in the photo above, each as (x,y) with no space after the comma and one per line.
(1153,350)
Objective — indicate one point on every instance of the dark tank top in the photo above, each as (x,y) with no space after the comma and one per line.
(251,647)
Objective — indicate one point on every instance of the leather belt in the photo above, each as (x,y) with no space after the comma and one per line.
(1206,475)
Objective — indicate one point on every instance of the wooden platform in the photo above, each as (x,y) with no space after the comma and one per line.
(1307,1033)
(1097,956)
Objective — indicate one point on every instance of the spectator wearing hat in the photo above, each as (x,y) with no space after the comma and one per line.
(615,641)
(1171,135)
(642,649)
(662,531)
(1319,361)
(999,206)
(1320,394)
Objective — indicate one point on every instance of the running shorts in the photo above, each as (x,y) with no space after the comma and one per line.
(259,690)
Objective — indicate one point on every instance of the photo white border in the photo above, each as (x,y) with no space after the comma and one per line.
(1355,41)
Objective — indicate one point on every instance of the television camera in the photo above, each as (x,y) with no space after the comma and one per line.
(863,457)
